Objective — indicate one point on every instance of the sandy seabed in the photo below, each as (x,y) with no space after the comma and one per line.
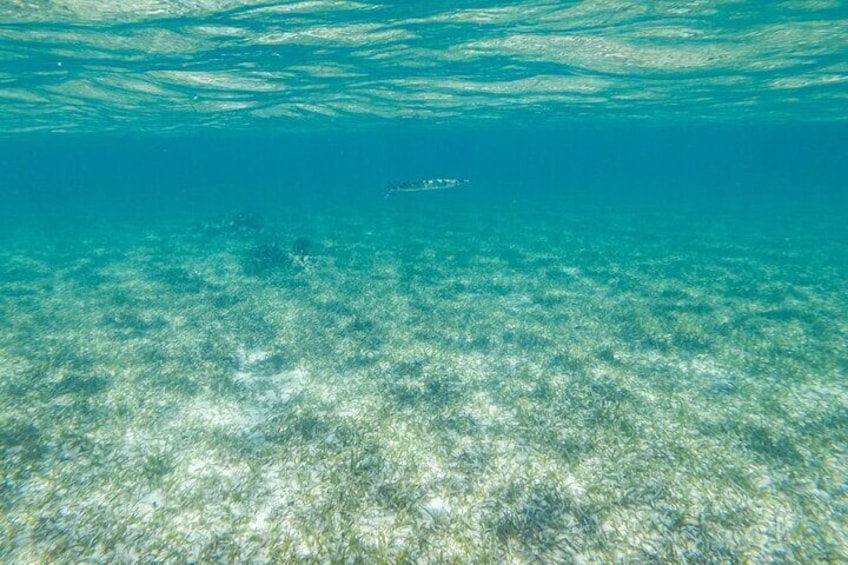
(504,386)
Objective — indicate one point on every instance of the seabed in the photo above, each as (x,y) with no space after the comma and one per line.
(507,388)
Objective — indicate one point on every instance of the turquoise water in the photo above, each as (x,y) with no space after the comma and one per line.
(625,340)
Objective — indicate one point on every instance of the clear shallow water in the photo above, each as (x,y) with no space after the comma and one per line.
(623,341)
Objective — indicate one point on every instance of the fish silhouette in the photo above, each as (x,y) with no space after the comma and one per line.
(425,184)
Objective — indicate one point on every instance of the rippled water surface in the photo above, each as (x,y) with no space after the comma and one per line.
(156,65)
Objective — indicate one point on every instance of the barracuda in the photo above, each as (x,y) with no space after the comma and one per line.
(426,184)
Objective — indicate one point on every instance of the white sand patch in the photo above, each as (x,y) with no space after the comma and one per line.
(486,413)
(277,387)
(380,529)
(220,415)
(248,357)
(437,510)
(262,519)
(149,503)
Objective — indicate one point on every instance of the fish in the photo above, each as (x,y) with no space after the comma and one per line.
(424,184)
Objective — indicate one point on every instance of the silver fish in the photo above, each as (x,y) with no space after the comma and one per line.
(425,184)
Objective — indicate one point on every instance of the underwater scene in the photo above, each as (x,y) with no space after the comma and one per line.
(336,281)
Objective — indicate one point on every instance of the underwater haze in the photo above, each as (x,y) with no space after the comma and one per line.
(251,312)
